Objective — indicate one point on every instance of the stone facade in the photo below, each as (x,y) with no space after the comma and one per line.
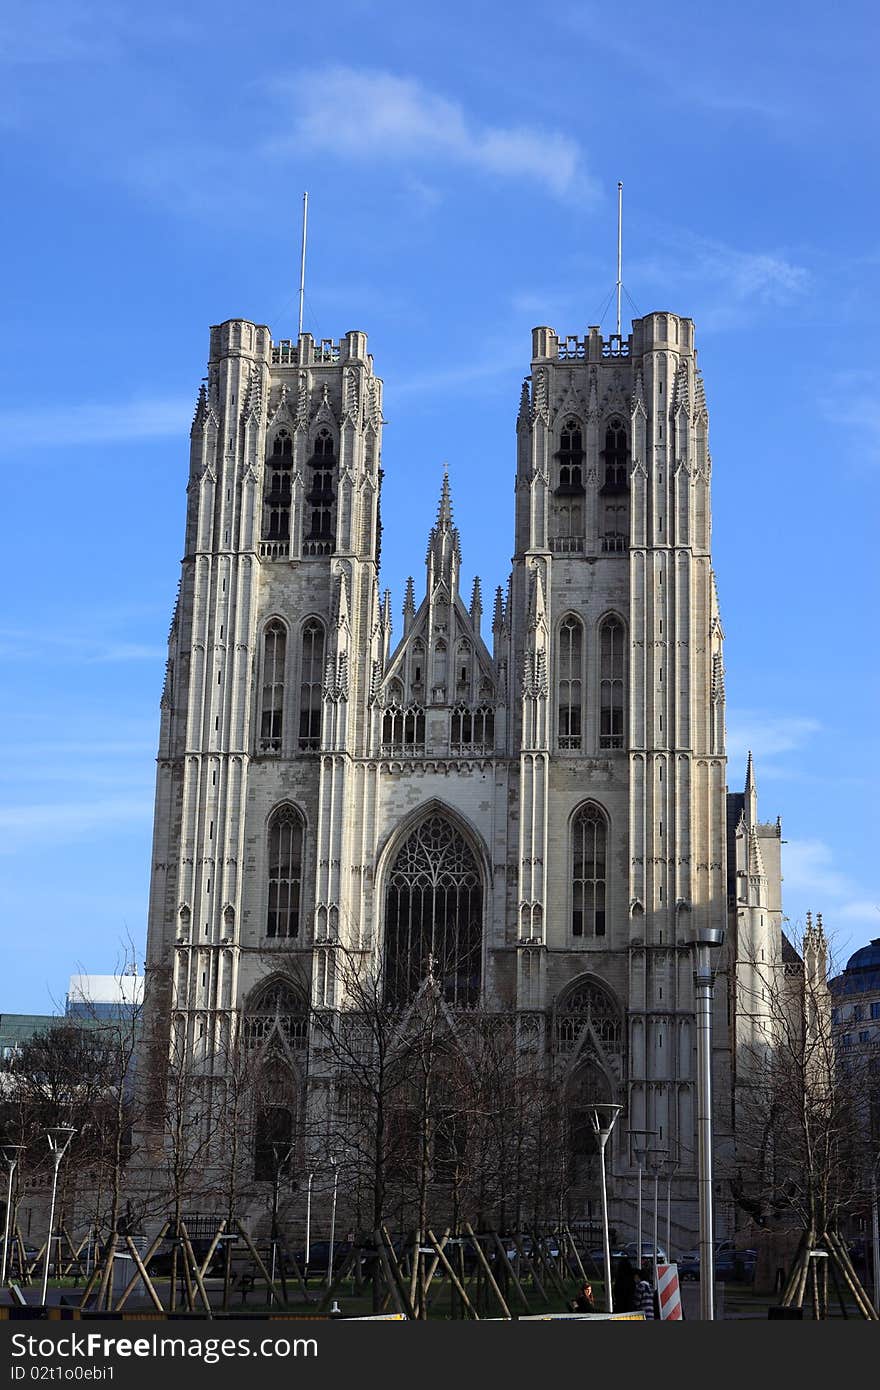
(576,767)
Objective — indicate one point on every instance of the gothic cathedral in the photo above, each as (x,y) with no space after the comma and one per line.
(541,822)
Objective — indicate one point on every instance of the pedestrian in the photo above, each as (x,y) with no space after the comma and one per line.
(624,1288)
(583,1302)
(644,1295)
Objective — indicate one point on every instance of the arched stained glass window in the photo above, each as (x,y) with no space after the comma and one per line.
(570,682)
(611,683)
(276,1009)
(285,872)
(433,915)
(588,1001)
(272,694)
(311,685)
(589,834)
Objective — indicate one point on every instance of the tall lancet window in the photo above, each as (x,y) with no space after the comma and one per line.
(272,694)
(611,683)
(285,872)
(311,685)
(320,495)
(276,494)
(571,457)
(589,844)
(614,456)
(570,682)
(433,915)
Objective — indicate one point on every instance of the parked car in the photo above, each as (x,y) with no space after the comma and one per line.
(647,1257)
(160,1264)
(319,1256)
(730,1264)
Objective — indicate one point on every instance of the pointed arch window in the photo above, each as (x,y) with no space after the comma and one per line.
(472,730)
(403,730)
(276,1010)
(570,684)
(611,683)
(588,1002)
(615,456)
(311,685)
(277,488)
(433,915)
(272,692)
(589,1085)
(285,851)
(274,1122)
(570,457)
(589,847)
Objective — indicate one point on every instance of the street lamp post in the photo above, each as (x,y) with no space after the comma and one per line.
(332,1222)
(875,1235)
(281,1152)
(11,1155)
(656,1165)
(602,1117)
(708,938)
(670,1173)
(639,1150)
(59,1139)
(308,1219)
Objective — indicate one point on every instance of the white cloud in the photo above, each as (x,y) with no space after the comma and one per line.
(95,423)
(726,286)
(854,404)
(862,910)
(808,868)
(361,113)
(766,736)
(60,821)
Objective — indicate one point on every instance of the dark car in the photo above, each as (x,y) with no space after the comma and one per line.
(160,1264)
(319,1256)
(737,1266)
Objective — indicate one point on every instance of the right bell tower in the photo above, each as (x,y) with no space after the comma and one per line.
(620,730)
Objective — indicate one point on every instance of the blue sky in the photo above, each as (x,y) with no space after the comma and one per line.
(462,164)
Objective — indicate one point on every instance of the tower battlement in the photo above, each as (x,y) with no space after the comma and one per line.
(241,338)
(657,330)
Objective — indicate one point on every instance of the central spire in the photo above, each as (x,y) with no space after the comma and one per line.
(444,551)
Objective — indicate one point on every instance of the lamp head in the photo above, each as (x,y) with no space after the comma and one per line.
(710,936)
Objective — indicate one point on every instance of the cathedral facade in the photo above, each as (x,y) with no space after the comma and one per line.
(537,819)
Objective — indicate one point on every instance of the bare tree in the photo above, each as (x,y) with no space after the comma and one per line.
(797,1116)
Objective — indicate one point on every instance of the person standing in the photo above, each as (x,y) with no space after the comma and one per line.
(644,1295)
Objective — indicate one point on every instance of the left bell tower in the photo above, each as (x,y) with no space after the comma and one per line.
(267,678)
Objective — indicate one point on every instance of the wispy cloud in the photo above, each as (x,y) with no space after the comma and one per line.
(708,86)
(853,403)
(95,423)
(359,113)
(21,825)
(766,736)
(86,643)
(726,286)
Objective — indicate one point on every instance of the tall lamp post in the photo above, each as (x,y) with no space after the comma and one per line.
(332,1221)
(671,1169)
(875,1234)
(11,1154)
(707,940)
(281,1153)
(308,1219)
(59,1139)
(656,1159)
(602,1118)
(639,1149)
